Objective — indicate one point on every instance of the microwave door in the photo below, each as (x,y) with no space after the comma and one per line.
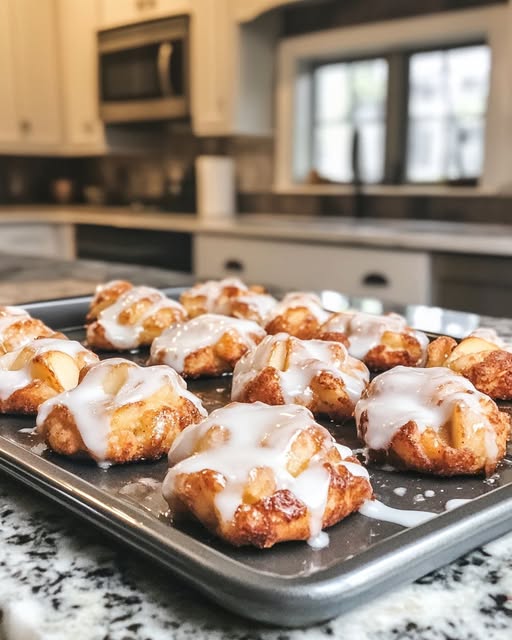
(144,82)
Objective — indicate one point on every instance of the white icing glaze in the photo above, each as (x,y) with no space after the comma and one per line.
(400,491)
(11,381)
(365,330)
(182,339)
(9,316)
(92,407)
(127,336)
(456,502)
(211,291)
(259,436)
(426,396)
(297,299)
(306,359)
(405,518)
(261,304)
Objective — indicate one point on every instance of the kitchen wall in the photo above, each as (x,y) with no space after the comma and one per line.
(148,159)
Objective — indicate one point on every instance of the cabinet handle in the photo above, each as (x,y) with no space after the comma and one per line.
(25,126)
(375,280)
(234,265)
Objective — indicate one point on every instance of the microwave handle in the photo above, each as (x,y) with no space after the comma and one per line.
(164,63)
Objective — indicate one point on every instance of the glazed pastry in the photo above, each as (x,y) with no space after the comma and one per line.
(299,314)
(135,319)
(119,413)
(256,475)
(253,306)
(208,345)
(214,296)
(486,364)
(18,328)
(105,296)
(431,420)
(40,370)
(317,374)
(381,342)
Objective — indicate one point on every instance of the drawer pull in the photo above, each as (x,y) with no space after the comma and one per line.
(375,280)
(234,265)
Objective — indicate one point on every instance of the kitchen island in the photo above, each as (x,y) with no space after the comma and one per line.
(62,579)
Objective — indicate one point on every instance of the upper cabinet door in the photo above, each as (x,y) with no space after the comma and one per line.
(245,10)
(79,74)
(117,12)
(9,131)
(34,33)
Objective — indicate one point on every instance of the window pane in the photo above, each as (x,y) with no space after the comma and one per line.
(426,150)
(350,96)
(333,145)
(332,93)
(447,104)
(371,158)
(468,72)
(369,89)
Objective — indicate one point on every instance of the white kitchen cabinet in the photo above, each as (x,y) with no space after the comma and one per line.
(9,131)
(114,13)
(245,10)
(394,276)
(230,93)
(48,99)
(38,239)
(77,23)
(35,64)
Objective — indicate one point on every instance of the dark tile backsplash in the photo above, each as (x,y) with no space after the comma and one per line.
(145,176)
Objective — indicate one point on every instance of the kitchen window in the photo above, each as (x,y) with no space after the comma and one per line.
(411,104)
(439,97)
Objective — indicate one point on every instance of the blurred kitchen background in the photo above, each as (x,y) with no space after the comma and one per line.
(207,136)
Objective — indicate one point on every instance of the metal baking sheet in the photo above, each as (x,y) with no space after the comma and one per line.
(290,584)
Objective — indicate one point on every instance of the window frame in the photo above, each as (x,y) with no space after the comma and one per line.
(398,37)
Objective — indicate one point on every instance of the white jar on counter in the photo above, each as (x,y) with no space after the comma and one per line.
(215,184)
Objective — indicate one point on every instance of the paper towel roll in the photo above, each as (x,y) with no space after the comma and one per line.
(215,180)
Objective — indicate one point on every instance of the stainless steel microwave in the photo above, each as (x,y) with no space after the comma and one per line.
(143,71)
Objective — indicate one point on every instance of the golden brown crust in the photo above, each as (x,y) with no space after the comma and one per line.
(296,321)
(24,331)
(395,349)
(52,373)
(198,304)
(438,452)
(105,296)
(218,358)
(485,364)
(153,326)
(276,516)
(143,430)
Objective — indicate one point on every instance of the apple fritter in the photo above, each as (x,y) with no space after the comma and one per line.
(317,374)
(298,314)
(18,328)
(431,420)
(256,475)
(380,341)
(215,296)
(40,370)
(486,364)
(134,319)
(206,346)
(120,412)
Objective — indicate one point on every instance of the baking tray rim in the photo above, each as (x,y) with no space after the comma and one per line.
(292,601)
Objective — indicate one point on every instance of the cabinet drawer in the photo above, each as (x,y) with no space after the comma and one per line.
(394,276)
(43,240)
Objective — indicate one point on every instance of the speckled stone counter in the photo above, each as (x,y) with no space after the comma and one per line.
(60,579)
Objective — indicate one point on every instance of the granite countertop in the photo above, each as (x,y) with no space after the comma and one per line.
(61,579)
(427,235)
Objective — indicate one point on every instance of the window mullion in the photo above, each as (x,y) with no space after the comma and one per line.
(396,118)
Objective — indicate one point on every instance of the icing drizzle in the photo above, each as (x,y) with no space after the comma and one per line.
(92,405)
